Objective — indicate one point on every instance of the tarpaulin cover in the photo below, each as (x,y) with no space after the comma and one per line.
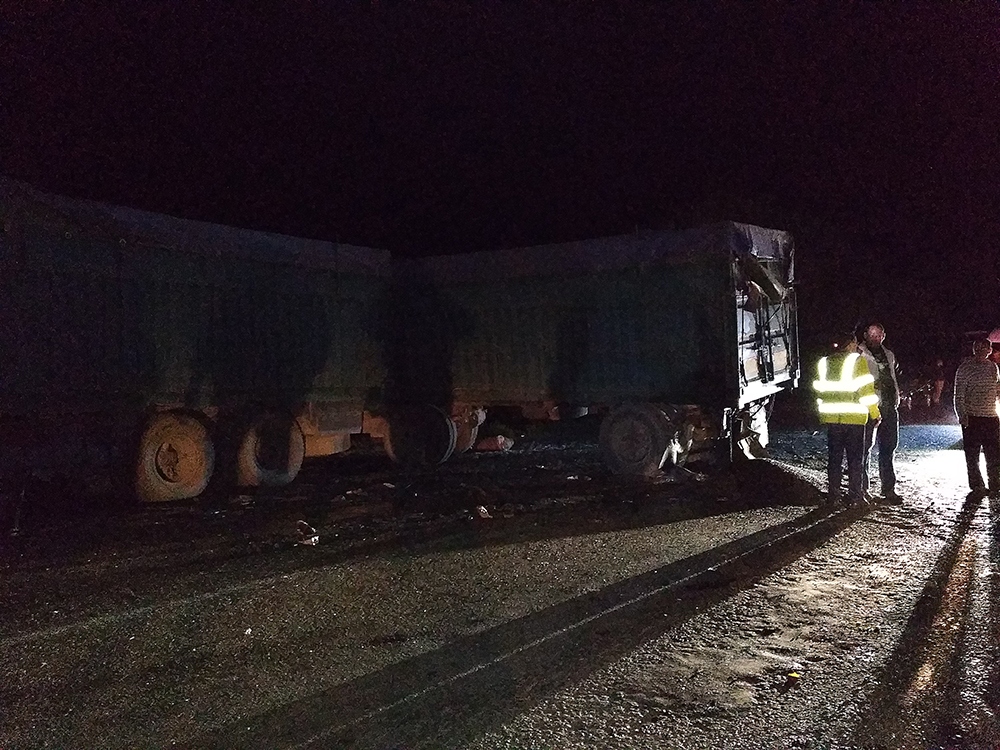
(639,250)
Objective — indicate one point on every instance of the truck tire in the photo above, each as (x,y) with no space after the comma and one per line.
(465,436)
(175,459)
(270,450)
(467,429)
(636,439)
(420,436)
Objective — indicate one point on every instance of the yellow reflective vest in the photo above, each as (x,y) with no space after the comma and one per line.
(845,390)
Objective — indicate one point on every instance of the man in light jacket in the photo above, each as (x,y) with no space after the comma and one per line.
(882,363)
(977,388)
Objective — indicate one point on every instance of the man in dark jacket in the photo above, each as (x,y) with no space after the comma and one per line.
(882,363)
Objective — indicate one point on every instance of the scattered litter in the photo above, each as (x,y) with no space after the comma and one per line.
(244,500)
(676,474)
(307,534)
(663,477)
(390,485)
(495,443)
(248,631)
(791,680)
(686,473)
(483,513)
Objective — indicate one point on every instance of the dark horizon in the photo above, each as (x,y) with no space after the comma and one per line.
(867,131)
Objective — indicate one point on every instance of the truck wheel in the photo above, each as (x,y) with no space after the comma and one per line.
(176,458)
(636,439)
(420,436)
(465,436)
(270,451)
(467,429)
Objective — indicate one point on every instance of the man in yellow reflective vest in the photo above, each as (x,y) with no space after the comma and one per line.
(845,395)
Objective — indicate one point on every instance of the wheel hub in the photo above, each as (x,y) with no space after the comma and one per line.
(178,461)
(167,462)
(273,444)
(632,441)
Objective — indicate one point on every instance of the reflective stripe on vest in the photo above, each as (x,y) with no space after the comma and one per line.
(847,384)
(841,407)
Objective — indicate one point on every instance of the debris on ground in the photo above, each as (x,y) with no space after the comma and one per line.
(675,474)
(307,534)
(495,443)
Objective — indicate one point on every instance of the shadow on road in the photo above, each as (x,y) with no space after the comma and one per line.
(163,553)
(446,697)
(923,698)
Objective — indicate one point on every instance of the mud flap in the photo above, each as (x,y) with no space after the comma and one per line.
(750,446)
(751,425)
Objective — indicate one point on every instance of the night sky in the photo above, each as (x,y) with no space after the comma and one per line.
(868,130)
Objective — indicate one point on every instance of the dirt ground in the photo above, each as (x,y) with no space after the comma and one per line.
(525,600)
(884,635)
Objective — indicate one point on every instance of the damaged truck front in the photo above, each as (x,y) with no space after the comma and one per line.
(682,339)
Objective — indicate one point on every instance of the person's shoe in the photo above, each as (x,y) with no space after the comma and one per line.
(891,498)
(977,493)
(993,494)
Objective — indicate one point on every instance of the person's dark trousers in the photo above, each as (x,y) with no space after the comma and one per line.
(845,440)
(982,433)
(886,434)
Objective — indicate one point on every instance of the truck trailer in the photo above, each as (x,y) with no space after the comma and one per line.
(682,339)
(156,354)
(159,353)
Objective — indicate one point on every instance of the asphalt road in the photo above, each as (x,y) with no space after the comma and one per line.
(523,600)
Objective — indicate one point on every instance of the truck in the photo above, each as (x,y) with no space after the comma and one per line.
(681,339)
(153,355)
